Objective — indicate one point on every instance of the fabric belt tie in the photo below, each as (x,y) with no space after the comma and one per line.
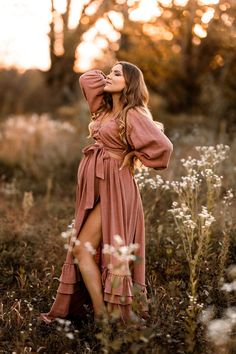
(96,169)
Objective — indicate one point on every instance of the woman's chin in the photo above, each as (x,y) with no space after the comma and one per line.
(107,89)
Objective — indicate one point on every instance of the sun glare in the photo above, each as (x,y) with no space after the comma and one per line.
(208,15)
(208,2)
(24,28)
(23,34)
(199,31)
(145,12)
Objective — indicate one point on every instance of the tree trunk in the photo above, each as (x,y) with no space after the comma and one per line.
(61,77)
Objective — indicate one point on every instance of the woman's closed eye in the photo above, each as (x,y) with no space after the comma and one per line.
(116,73)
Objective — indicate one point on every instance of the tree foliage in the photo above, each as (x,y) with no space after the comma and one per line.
(187,54)
(176,62)
(187,58)
(61,76)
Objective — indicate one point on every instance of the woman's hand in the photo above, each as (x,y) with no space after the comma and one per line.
(128,162)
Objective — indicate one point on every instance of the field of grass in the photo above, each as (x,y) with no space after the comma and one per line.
(190,242)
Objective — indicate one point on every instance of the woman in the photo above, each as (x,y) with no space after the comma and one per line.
(108,202)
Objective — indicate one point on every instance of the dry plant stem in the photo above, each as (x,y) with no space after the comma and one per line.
(225,241)
(223,255)
(194,228)
(193,261)
(193,309)
(49,190)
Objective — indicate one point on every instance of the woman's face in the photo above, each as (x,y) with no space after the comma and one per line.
(115,81)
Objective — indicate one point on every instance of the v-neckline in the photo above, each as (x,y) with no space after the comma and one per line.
(101,123)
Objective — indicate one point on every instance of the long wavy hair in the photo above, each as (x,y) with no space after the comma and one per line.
(134,95)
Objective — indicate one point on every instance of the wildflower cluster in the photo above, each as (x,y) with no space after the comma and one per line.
(66,327)
(212,156)
(182,212)
(120,251)
(194,216)
(143,179)
(190,182)
(70,235)
(201,172)
(219,330)
(227,198)
(230,287)
(70,228)
(206,218)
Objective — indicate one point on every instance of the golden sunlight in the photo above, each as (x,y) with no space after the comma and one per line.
(145,13)
(199,31)
(24,27)
(23,34)
(208,2)
(208,15)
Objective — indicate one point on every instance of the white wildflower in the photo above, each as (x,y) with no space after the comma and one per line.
(89,248)
(190,224)
(73,232)
(118,240)
(121,252)
(231,271)
(228,287)
(211,156)
(68,247)
(230,313)
(64,234)
(218,331)
(133,246)
(132,257)
(60,320)
(108,249)
(228,197)
(77,242)
(207,315)
(124,250)
(70,335)
(73,239)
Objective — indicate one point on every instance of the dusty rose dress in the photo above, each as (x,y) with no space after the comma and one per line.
(99,178)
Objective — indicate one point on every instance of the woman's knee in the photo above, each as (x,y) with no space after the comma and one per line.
(83,250)
(78,252)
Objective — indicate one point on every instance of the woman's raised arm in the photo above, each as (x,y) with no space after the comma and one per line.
(92,84)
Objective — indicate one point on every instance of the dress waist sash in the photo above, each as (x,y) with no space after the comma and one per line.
(96,168)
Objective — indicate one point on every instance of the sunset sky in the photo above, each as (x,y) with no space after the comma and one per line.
(24,25)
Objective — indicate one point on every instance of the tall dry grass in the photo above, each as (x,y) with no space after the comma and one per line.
(39,148)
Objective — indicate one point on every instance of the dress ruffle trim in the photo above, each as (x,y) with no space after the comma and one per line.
(69,279)
(117,288)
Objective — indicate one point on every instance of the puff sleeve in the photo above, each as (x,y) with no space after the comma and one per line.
(150,145)
(92,84)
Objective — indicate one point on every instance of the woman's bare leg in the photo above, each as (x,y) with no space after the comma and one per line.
(92,233)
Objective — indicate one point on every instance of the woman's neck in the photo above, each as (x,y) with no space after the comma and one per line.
(116,104)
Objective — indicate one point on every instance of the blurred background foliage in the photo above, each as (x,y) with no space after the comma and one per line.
(186,50)
(187,54)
